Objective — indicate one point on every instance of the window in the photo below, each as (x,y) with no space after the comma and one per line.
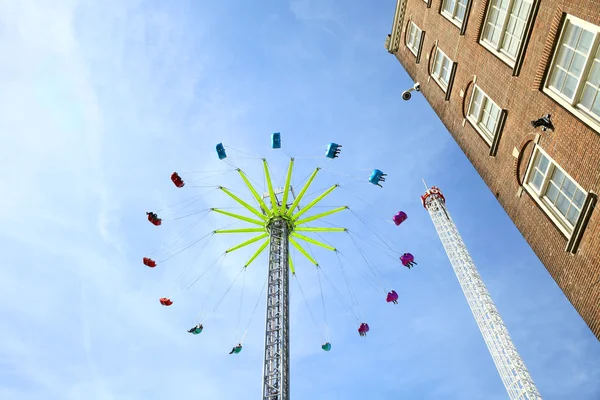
(504,27)
(413,38)
(442,69)
(484,115)
(574,75)
(555,191)
(455,11)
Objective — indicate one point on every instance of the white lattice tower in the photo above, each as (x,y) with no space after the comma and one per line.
(511,367)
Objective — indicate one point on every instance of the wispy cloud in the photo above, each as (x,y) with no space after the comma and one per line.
(101,101)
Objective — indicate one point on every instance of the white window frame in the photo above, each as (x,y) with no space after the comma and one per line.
(414,50)
(497,49)
(475,121)
(539,195)
(435,77)
(451,17)
(573,104)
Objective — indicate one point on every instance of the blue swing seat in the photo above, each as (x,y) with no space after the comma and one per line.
(276,140)
(221,151)
(375,176)
(331,150)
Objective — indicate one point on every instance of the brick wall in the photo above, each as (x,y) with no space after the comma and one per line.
(573,144)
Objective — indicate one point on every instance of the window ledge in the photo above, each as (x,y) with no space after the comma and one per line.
(584,117)
(550,213)
(503,57)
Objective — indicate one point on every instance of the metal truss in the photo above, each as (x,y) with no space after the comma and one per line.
(277,365)
(511,367)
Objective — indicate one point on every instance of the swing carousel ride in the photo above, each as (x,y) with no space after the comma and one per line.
(277,219)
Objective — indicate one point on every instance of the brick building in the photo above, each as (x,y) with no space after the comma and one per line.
(489,69)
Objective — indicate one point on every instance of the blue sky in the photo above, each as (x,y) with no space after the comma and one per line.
(102,100)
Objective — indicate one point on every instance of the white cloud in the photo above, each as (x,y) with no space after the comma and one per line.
(101,101)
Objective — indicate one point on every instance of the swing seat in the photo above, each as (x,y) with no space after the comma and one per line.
(155,221)
(330,153)
(364,328)
(407,258)
(375,176)
(221,151)
(149,262)
(176,179)
(276,140)
(326,346)
(400,218)
(165,301)
(392,296)
(237,350)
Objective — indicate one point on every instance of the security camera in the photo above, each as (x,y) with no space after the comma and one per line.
(406,95)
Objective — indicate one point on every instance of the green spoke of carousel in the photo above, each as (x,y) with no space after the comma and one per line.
(276,210)
(277,224)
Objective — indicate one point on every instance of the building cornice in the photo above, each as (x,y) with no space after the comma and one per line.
(392,43)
